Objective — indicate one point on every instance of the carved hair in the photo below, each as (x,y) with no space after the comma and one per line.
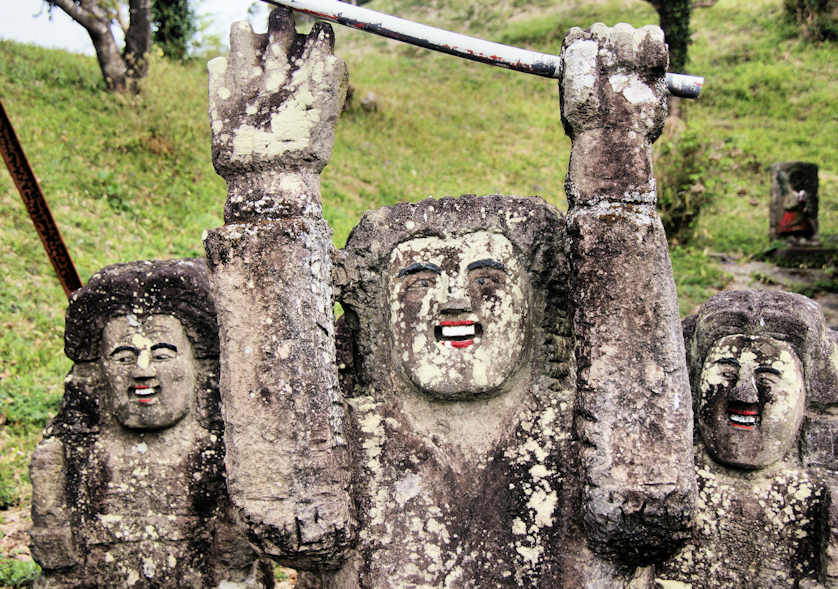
(780,315)
(171,287)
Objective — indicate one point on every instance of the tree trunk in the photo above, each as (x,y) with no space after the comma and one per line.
(110,61)
(675,22)
(137,39)
(120,71)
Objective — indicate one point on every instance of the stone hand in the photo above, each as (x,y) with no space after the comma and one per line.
(275,101)
(614,78)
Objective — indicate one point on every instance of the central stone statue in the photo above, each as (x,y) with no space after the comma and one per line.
(510,407)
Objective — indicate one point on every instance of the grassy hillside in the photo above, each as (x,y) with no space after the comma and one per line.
(130,177)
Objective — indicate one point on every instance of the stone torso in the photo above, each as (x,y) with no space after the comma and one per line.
(491,504)
(146,517)
(753,529)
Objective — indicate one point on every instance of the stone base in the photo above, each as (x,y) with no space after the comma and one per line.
(794,256)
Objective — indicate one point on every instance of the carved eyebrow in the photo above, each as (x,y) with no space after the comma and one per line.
(164,346)
(487,263)
(728,361)
(768,369)
(119,349)
(419,267)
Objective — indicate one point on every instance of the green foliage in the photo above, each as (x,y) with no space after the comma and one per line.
(817,19)
(697,277)
(18,573)
(174,23)
(686,182)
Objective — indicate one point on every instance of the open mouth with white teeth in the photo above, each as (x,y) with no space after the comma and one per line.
(743,415)
(457,334)
(145,394)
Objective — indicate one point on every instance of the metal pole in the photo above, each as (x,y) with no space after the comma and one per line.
(506,56)
(36,205)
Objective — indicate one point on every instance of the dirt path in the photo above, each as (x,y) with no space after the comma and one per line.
(768,276)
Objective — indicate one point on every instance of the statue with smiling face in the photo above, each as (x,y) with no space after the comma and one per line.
(128,483)
(764,370)
(510,406)
(459,313)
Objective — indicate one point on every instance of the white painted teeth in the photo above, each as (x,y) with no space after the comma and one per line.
(144,392)
(743,419)
(457,330)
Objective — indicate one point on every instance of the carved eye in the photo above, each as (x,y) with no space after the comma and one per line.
(730,374)
(487,281)
(162,354)
(124,357)
(765,380)
(420,282)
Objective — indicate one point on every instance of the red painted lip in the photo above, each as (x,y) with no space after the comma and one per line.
(740,426)
(743,411)
(453,323)
(144,399)
(462,344)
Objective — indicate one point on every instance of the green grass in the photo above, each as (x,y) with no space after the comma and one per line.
(18,573)
(130,177)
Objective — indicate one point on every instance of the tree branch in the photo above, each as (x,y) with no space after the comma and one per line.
(79,13)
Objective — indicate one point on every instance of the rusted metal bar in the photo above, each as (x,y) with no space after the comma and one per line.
(506,56)
(36,205)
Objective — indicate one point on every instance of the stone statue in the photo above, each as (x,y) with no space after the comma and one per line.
(128,482)
(794,201)
(764,371)
(510,406)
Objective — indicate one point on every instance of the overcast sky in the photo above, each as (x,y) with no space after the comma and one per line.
(19,23)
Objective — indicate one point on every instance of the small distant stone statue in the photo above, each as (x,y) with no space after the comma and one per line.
(128,482)
(794,201)
(511,406)
(764,371)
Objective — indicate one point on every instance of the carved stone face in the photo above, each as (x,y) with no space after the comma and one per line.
(458,313)
(752,400)
(150,367)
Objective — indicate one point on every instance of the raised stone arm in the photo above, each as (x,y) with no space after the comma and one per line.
(273,108)
(634,417)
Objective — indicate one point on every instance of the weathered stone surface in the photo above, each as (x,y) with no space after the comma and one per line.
(128,483)
(286,446)
(761,362)
(473,485)
(632,410)
(794,201)
(273,108)
(613,99)
(459,450)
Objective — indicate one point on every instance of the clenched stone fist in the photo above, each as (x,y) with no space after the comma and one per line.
(614,98)
(614,77)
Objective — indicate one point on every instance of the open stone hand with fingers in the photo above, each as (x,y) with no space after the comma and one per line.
(613,95)
(273,106)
